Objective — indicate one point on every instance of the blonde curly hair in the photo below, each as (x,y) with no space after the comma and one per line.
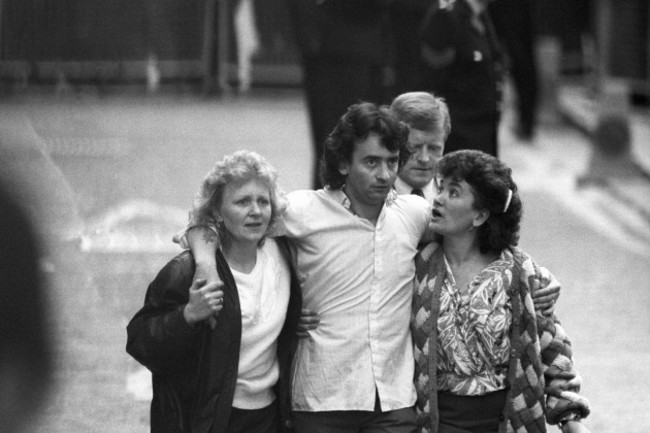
(240,166)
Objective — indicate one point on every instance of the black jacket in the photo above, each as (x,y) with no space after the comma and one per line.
(195,368)
(345,30)
(471,82)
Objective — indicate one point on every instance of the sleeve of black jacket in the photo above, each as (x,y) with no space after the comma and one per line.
(158,336)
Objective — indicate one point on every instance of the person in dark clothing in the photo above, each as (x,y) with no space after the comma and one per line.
(221,354)
(405,20)
(27,353)
(513,22)
(462,63)
(342,44)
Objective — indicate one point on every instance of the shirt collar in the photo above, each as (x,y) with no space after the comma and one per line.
(340,197)
(402,187)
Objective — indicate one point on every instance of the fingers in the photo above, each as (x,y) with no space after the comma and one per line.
(302,330)
(549,310)
(208,290)
(215,301)
(534,287)
(548,291)
(307,312)
(309,321)
(198,283)
(206,298)
(211,297)
(544,299)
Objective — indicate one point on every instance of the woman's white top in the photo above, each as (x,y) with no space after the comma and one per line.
(264,298)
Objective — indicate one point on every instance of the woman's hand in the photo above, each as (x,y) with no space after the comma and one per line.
(205,301)
(574,427)
(309,321)
(545,291)
(207,274)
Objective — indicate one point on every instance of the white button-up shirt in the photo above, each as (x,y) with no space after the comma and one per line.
(359,278)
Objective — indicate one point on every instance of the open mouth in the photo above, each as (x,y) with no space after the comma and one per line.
(436,213)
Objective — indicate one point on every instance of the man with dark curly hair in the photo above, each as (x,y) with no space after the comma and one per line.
(356,368)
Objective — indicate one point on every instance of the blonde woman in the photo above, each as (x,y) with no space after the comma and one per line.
(220,354)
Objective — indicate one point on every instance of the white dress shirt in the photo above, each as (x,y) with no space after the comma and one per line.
(359,278)
(429,189)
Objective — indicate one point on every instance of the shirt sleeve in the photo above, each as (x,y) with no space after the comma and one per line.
(297,214)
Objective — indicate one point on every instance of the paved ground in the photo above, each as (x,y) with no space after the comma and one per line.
(121,172)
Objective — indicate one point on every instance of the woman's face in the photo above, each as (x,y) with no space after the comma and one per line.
(246,210)
(453,208)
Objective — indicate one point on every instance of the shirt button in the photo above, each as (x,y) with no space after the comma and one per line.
(288,424)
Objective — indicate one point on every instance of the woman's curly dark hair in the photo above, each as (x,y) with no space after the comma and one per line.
(490,180)
(360,120)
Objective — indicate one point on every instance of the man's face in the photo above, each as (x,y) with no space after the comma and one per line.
(371,173)
(428,146)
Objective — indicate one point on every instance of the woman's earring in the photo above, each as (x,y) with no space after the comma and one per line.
(220,224)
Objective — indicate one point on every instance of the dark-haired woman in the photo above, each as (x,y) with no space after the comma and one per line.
(494,364)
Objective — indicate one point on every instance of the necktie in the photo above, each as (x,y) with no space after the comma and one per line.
(417,191)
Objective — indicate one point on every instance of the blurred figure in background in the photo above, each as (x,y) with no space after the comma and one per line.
(32,178)
(405,19)
(462,63)
(514,25)
(342,45)
(570,22)
(26,351)
(248,43)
